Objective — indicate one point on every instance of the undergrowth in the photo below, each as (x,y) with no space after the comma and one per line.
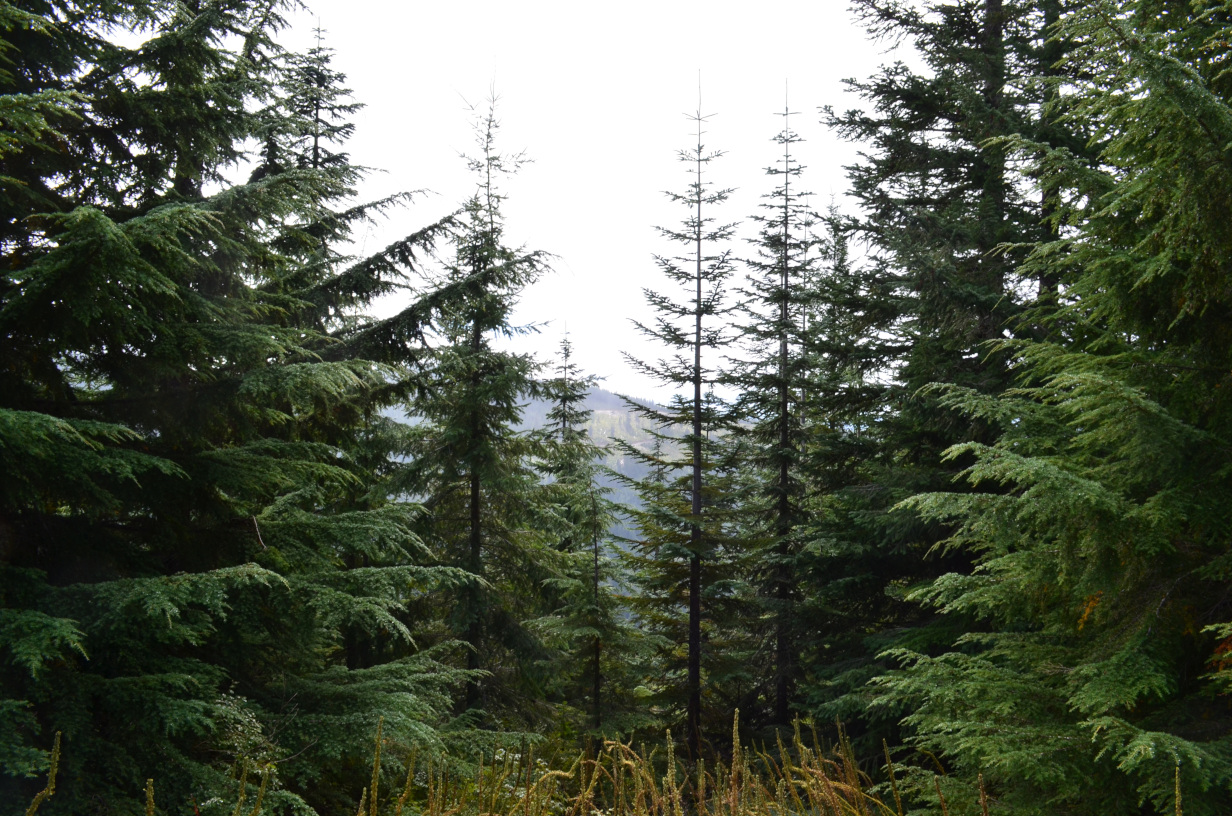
(613,780)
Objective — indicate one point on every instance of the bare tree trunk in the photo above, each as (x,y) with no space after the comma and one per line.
(693,737)
(597,669)
(474,628)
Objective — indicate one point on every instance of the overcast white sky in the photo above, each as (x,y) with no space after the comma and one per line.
(596,94)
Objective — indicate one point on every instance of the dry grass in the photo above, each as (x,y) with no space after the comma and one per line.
(617,780)
(613,780)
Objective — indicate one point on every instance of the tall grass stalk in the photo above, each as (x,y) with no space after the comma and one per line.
(47,792)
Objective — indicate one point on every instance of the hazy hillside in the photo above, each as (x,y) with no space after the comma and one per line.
(611,419)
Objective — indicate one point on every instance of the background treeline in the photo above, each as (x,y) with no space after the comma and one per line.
(952,468)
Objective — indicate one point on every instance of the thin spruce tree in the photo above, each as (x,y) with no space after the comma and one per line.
(307,123)
(772,378)
(587,617)
(473,468)
(688,329)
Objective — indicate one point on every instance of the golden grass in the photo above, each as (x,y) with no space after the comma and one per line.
(615,779)
(618,780)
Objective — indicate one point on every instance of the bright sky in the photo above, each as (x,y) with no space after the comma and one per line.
(596,95)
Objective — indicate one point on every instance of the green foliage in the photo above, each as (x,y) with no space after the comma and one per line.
(660,558)
(688,324)
(944,223)
(773,377)
(588,620)
(473,470)
(974,496)
(1098,510)
(201,557)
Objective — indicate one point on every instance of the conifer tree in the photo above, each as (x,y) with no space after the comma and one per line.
(773,378)
(587,616)
(945,227)
(1097,517)
(474,470)
(310,119)
(189,485)
(845,408)
(687,329)
(659,564)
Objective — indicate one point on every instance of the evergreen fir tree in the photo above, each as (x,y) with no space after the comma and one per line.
(945,227)
(773,379)
(1098,514)
(682,326)
(659,562)
(587,616)
(194,511)
(474,470)
(850,601)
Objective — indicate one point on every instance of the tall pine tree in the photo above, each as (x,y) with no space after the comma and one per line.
(474,470)
(773,379)
(688,330)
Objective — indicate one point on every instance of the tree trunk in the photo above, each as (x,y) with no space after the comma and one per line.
(992,203)
(474,628)
(783,647)
(693,737)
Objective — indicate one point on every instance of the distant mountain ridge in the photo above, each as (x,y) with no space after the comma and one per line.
(611,419)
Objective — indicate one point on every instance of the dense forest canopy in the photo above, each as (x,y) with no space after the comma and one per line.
(944,479)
